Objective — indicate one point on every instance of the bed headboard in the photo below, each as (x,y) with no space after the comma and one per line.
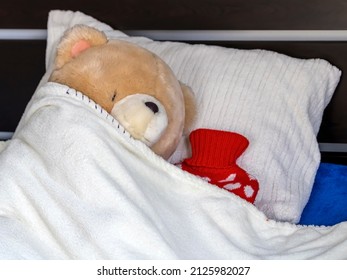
(304,29)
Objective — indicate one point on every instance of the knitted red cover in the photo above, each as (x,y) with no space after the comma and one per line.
(214,155)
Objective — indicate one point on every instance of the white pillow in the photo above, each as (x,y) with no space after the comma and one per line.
(274,100)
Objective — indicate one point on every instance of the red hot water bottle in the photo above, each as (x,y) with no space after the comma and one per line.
(214,155)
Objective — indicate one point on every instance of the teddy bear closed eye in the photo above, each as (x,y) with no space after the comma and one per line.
(131,83)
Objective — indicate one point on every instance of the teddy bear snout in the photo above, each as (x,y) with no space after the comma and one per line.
(152,106)
(142,115)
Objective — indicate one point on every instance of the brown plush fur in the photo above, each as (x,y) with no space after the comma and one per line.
(108,71)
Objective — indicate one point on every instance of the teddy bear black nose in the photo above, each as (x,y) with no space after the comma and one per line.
(152,106)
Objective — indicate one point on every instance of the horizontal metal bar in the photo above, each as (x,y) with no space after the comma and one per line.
(333,147)
(5,135)
(202,35)
(242,35)
(23,34)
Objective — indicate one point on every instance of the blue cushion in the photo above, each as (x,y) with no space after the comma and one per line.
(327,204)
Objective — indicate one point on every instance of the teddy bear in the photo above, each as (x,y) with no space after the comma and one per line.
(131,83)
(140,90)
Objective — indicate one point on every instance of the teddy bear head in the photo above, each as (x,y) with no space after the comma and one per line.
(131,83)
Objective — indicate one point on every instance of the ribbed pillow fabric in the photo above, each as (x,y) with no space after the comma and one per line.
(274,100)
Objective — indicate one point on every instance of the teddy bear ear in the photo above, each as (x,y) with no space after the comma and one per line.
(76,40)
(190,107)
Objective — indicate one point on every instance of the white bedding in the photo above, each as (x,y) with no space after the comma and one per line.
(75,186)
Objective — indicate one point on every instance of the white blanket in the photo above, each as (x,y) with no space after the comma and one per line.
(74,185)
